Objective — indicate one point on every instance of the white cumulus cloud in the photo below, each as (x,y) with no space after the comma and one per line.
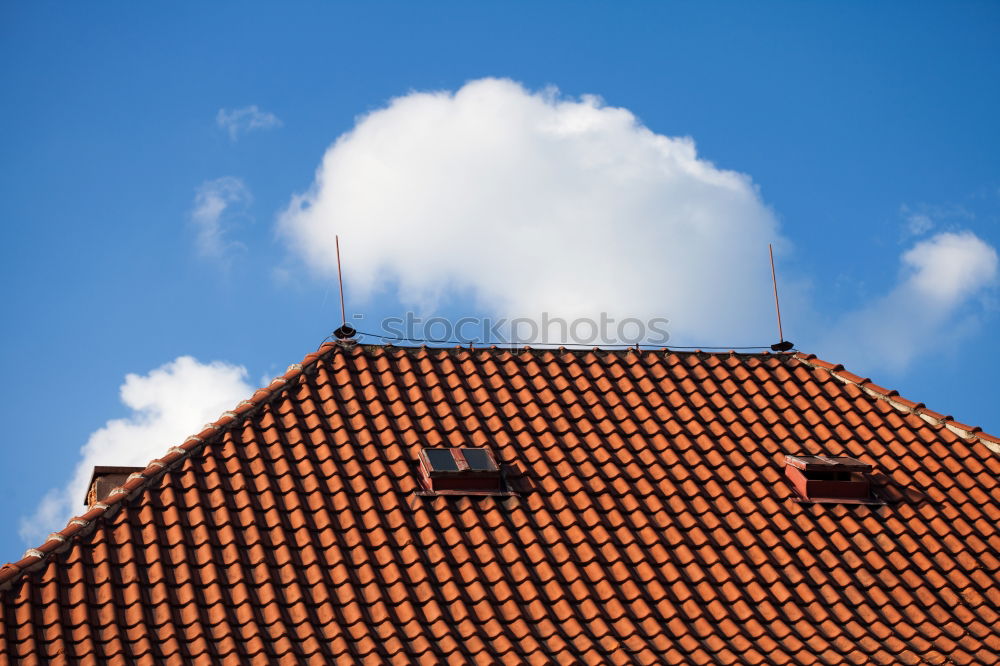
(217,204)
(244,120)
(931,307)
(168,404)
(532,202)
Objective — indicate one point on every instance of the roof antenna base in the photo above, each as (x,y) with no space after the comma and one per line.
(345,332)
(782,346)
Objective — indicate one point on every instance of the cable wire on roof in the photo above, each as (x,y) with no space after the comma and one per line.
(511,345)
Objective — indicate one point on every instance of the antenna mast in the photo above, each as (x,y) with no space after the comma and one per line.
(340,279)
(782,344)
(346,331)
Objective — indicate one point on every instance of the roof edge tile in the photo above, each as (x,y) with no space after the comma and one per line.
(974,433)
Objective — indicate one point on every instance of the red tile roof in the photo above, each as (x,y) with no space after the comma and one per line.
(654,524)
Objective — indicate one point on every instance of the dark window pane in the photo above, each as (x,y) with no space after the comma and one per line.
(478,459)
(441,460)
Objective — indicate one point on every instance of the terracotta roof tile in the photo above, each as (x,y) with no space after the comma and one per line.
(653,523)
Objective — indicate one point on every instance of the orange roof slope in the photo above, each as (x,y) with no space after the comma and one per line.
(654,524)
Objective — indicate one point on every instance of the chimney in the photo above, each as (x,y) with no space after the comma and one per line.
(104,480)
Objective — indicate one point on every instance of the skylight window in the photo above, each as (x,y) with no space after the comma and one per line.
(478,460)
(441,460)
(460,471)
(824,479)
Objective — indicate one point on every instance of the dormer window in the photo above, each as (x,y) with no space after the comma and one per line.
(823,479)
(463,471)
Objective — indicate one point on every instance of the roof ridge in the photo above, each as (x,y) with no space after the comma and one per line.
(107,507)
(901,404)
(580,350)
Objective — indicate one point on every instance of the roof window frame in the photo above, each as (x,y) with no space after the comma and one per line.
(817,479)
(466,480)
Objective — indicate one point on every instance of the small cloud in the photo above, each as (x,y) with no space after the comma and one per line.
(936,302)
(247,119)
(921,218)
(168,404)
(213,213)
(949,267)
(919,224)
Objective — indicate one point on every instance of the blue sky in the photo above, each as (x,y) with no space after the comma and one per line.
(868,132)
